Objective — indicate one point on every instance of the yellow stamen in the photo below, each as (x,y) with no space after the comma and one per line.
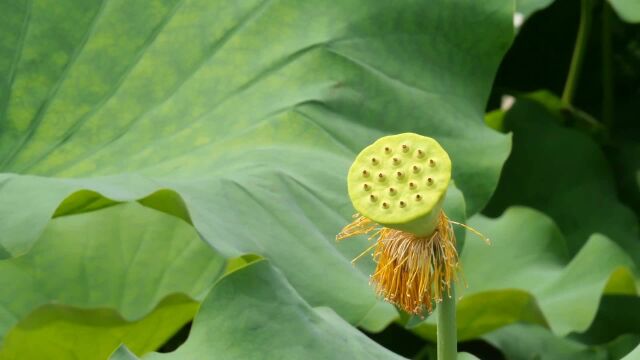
(363,253)
(360,226)
(412,271)
(478,233)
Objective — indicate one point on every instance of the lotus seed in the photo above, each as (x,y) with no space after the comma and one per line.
(392,191)
(365,173)
(385,205)
(396,161)
(374,161)
(420,153)
(412,185)
(387,149)
(372,197)
(399,174)
(429,181)
(405,148)
(402,204)
(366,187)
(418,197)
(432,163)
(381,176)
(415,168)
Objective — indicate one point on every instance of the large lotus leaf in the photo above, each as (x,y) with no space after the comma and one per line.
(429,351)
(59,332)
(527,275)
(103,271)
(525,341)
(250,111)
(254,310)
(528,7)
(537,175)
(625,156)
(634,355)
(466,356)
(628,10)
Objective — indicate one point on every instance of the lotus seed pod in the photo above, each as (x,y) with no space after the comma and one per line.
(407,192)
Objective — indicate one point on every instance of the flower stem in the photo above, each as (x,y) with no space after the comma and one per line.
(447,337)
(578,52)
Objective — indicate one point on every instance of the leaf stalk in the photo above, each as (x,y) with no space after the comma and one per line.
(578,52)
(607,68)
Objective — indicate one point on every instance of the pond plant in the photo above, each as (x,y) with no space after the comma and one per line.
(173,174)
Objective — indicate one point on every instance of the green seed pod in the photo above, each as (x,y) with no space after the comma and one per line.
(400,182)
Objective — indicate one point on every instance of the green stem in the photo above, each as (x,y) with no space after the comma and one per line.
(607,68)
(578,52)
(447,341)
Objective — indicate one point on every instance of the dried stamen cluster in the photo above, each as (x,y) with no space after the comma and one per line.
(412,271)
